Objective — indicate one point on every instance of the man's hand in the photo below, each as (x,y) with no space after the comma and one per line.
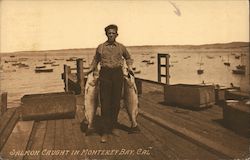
(130,71)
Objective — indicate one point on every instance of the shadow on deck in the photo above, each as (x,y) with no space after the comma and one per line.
(167,132)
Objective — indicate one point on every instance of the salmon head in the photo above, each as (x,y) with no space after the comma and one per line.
(93,78)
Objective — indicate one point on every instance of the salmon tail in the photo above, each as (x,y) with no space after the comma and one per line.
(134,117)
(129,114)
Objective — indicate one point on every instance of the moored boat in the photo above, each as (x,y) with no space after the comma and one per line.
(59,59)
(239,71)
(72,59)
(37,67)
(48,62)
(241,67)
(137,72)
(23,65)
(187,57)
(174,61)
(16,64)
(237,56)
(150,62)
(226,63)
(23,59)
(54,64)
(200,71)
(45,70)
(12,61)
(210,57)
(145,61)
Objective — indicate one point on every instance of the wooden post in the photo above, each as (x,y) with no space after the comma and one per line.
(167,68)
(3,103)
(159,67)
(66,77)
(80,75)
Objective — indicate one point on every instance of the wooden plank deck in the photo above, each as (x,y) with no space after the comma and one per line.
(7,122)
(153,143)
(207,123)
(17,141)
(64,139)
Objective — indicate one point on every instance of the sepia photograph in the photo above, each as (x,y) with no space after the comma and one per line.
(124,80)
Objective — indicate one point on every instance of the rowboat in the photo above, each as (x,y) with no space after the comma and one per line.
(239,71)
(38,67)
(200,71)
(55,64)
(43,70)
(48,62)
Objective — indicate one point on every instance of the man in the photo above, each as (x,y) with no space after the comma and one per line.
(110,55)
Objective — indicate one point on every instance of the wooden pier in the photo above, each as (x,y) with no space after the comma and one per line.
(167,132)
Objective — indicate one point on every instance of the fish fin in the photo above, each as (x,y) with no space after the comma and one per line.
(92,83)
(132,80)
(86,89)
(129,114)
(87,84)
(135,89)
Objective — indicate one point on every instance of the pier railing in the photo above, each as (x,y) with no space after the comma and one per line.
(163,66)
(74,82)
(8,119)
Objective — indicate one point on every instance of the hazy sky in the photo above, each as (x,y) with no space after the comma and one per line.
(62,24)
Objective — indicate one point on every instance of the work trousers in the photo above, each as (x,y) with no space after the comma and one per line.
(111,81)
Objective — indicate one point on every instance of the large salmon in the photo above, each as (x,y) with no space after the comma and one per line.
(131,99)
(91,100)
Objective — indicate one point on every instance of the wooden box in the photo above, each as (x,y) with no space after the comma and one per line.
(48,106)
(236,116)
(186,95)
(220,95)
(234,94)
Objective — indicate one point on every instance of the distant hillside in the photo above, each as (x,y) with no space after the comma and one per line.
(231,45)
(139,49)
(61,52)
(227,45)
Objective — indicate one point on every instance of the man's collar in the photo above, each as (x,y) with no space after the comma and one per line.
(107,43)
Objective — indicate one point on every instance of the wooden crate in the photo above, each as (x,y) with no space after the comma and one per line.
(186,95)
(220,95)
(48,106)
(234,94)
(236,116)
